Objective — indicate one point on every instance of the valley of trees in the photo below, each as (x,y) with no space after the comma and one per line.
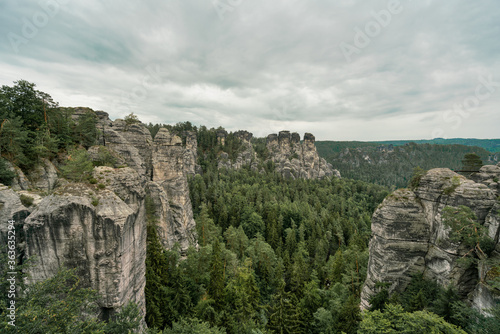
(274,255)
(392,166)
(491,145)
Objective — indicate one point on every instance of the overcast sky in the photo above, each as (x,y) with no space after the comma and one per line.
(341,69)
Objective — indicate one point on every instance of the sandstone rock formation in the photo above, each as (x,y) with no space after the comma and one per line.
(246,157)
(490,176)
(91,229)
(20,181)
(409,236)
(163,165)
(100,229)
(294,159)
(170,192)
(44,176)
(132,142)
(191,154)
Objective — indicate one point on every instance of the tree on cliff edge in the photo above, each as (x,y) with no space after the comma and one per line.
(471,163)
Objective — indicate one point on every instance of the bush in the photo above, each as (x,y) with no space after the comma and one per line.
(105,157)
(418,173)
(101,186)
(78,167)
(6,175)
(26,200)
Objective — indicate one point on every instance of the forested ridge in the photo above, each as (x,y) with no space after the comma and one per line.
(274,255)
(392,166)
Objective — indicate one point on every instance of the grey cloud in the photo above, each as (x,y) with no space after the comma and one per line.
(265,65)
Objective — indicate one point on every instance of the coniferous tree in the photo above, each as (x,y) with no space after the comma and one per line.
(217,278)
(285,317)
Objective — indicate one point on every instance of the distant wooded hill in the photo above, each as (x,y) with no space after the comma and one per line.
(391,163)
(492,145)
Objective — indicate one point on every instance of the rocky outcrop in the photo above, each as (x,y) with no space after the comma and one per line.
(100,230)
(44,176)
(163,165)
(409,236)
(170,192)
(489,175)
(20,181)
(246,157)
(133,142)
(191,154)
(294,159)
(12,209)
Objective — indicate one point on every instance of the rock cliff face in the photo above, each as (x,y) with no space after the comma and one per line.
(409,236)
(132,142)
(95,231)
(100,229)
(163,165)
(294,159)
(170,191)
(246,157)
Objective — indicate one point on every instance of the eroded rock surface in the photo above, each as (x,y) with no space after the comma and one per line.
(163,165)
(294,159)
(170,192)
(89,228)
(409,236)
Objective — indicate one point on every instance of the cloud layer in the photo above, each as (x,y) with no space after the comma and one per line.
(344,70)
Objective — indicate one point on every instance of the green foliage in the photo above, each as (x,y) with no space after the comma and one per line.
(418,173)
(466,230)
(61,305)
(472,321)
(193,326)
(419,294)
(127,320)
(215,288)
(78,167)
(94,201)
(455,182)
(379,300)
(131,119)
(105,157)
(57,305)
(311,234)
(101,186)
(492,145)
(6,175)
(167,296)
(392,167)
(27,201)
(205,227)
(285,315)
(471,163)
(85,132)
(395,320)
